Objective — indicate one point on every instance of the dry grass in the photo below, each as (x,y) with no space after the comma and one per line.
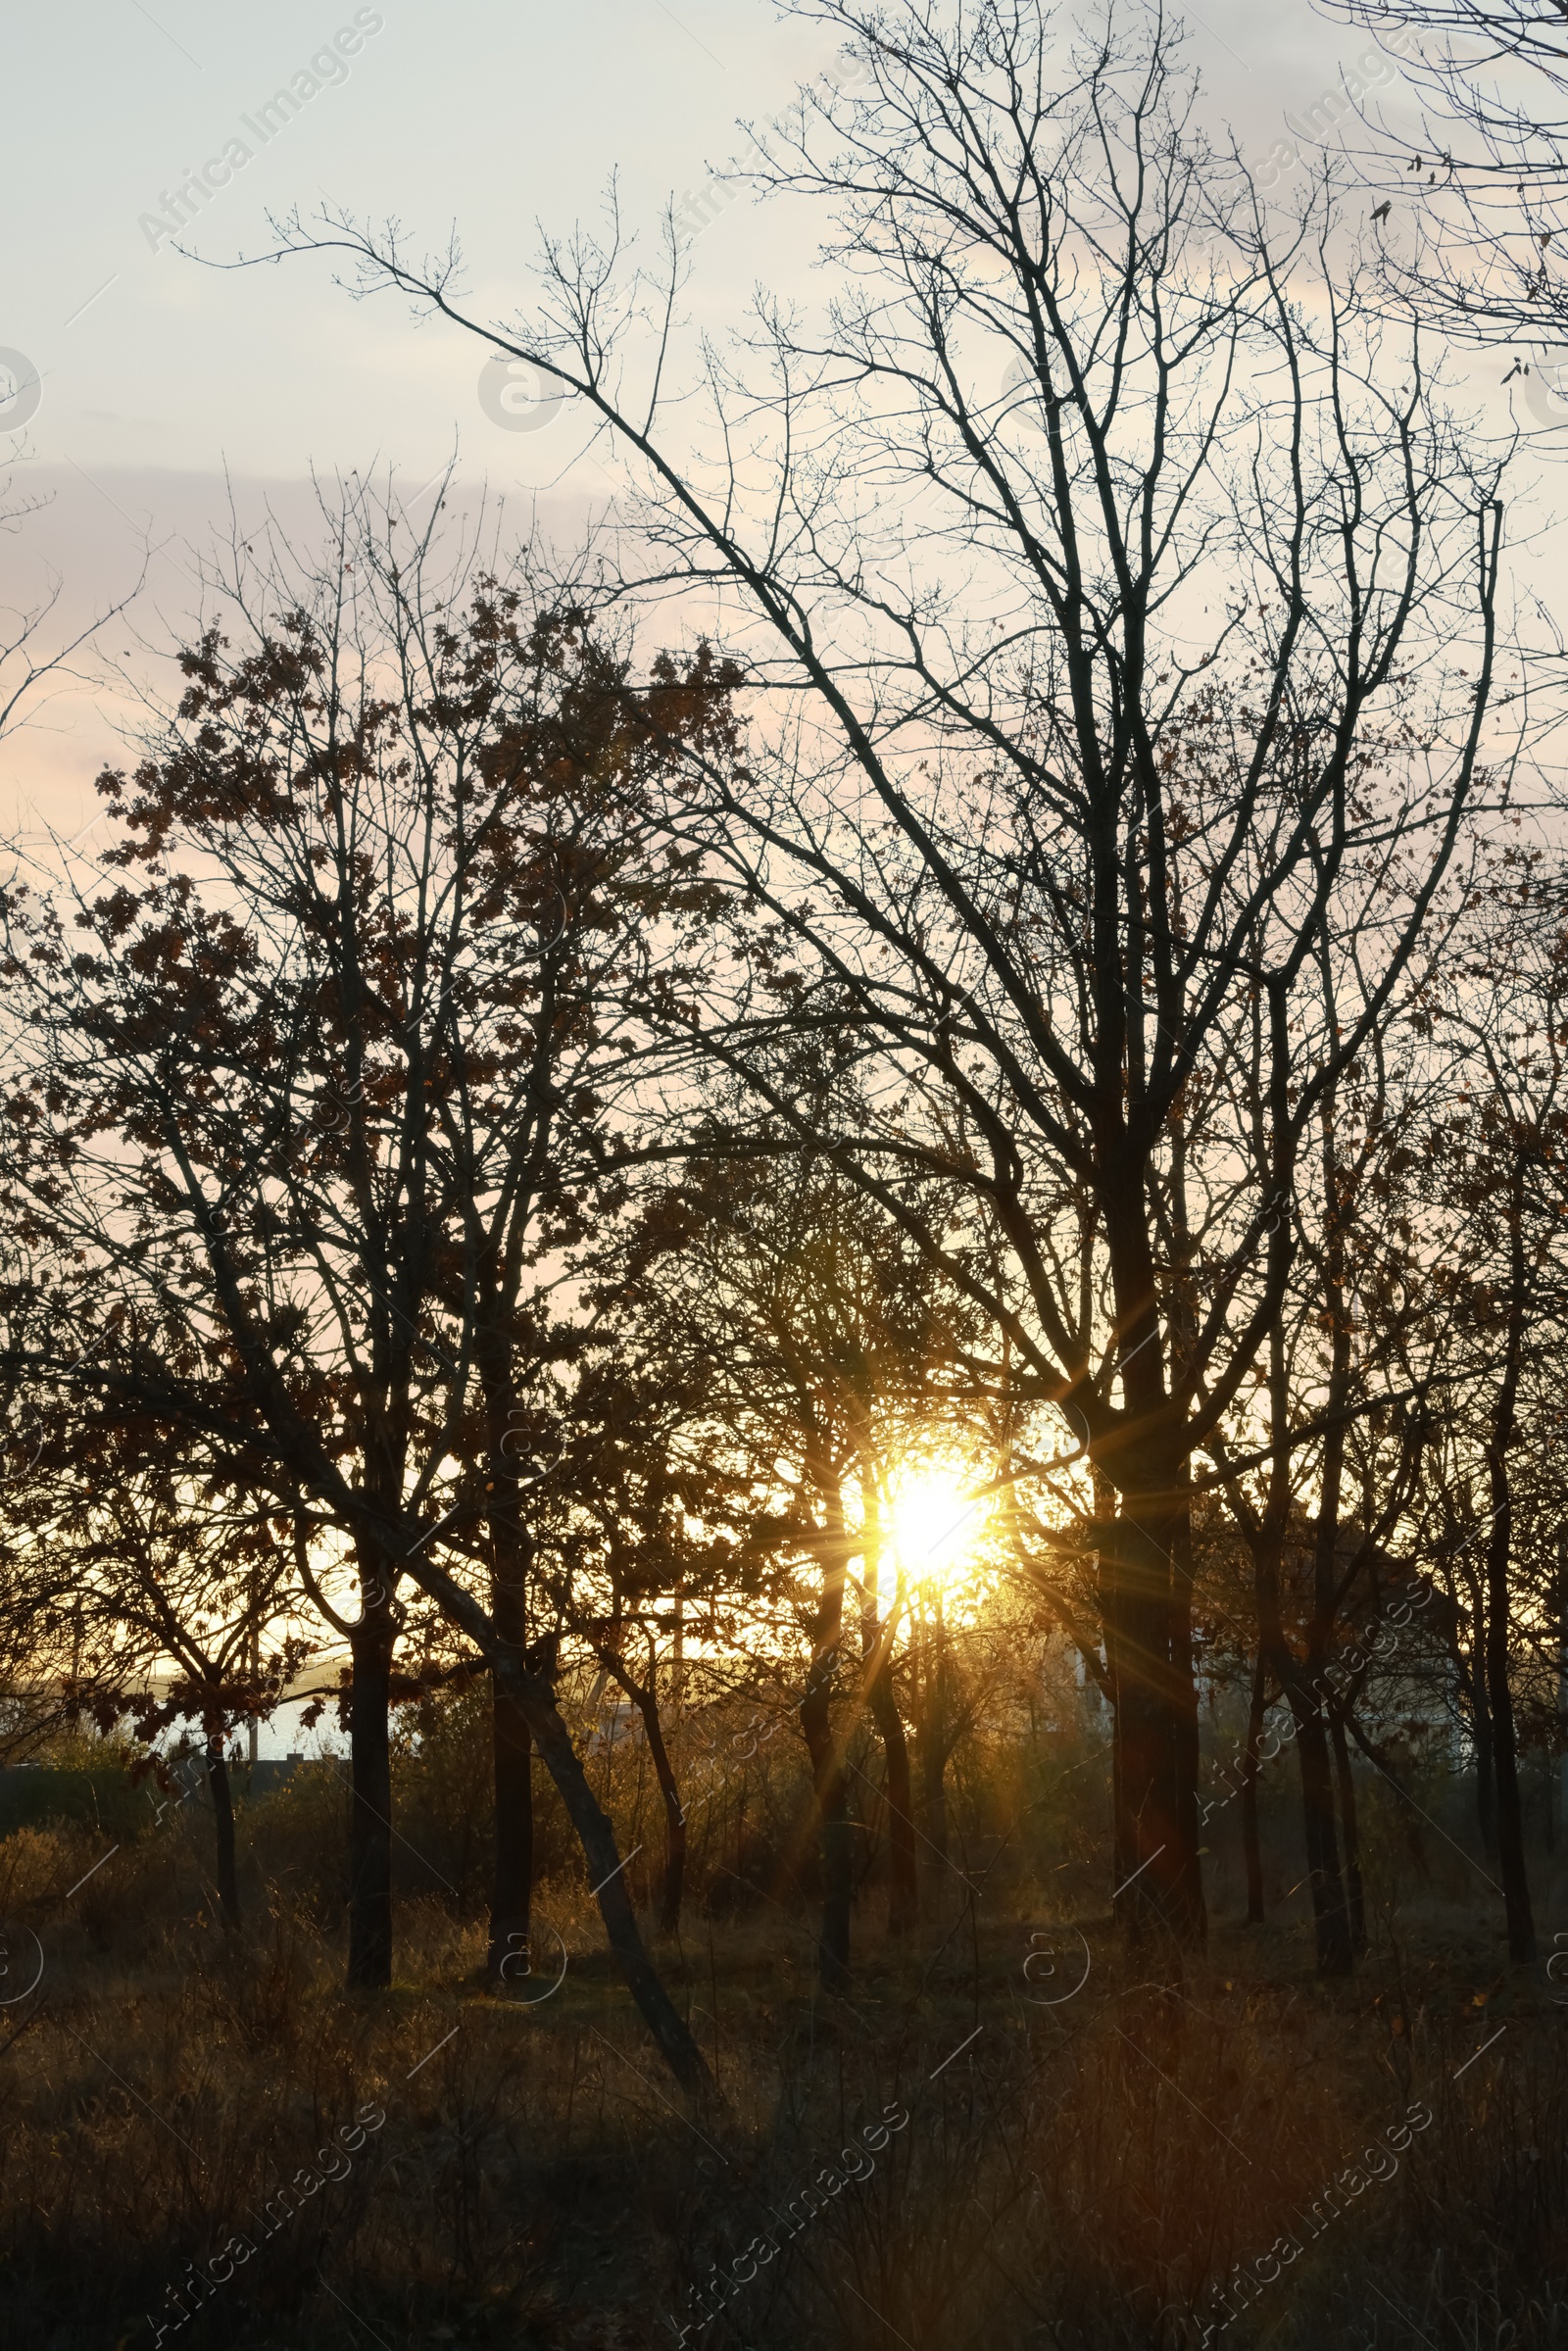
(1083,2175)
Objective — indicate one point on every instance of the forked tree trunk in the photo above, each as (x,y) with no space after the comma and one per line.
(371,1642)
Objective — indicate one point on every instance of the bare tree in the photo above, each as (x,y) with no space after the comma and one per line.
(1497,1151)
(1477,200)
(818,1337)
(1108,583)
(639,1526)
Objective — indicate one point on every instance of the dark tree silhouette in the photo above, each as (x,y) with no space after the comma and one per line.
(323,1081)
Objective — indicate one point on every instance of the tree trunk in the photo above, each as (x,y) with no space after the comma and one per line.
(1158,1894)
(645,1698)
(903,1878)
(672,1884)
(553,1741)
(609,1881)
(829,1778)
(1500,1613)
(830,1784)
(934,1798)
(1559,1757)
(508,1955)
(512,1886)
(1252,1851)
(512,1890)
(1481,1732)
(1330,1918)
(1146,1587)
(218,1788)
(1351,1826)
(1276,1658)
(933,1733)
(1184,1702)
(370,1643)
(876,1643)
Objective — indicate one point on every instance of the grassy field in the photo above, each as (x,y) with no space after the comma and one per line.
(1001,2137)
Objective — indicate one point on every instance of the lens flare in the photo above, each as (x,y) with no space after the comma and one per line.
(936,1522)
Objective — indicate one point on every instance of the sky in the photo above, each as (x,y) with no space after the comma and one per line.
(144,390)
(145,394)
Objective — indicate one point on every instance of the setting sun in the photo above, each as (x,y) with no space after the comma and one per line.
(936,1520)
